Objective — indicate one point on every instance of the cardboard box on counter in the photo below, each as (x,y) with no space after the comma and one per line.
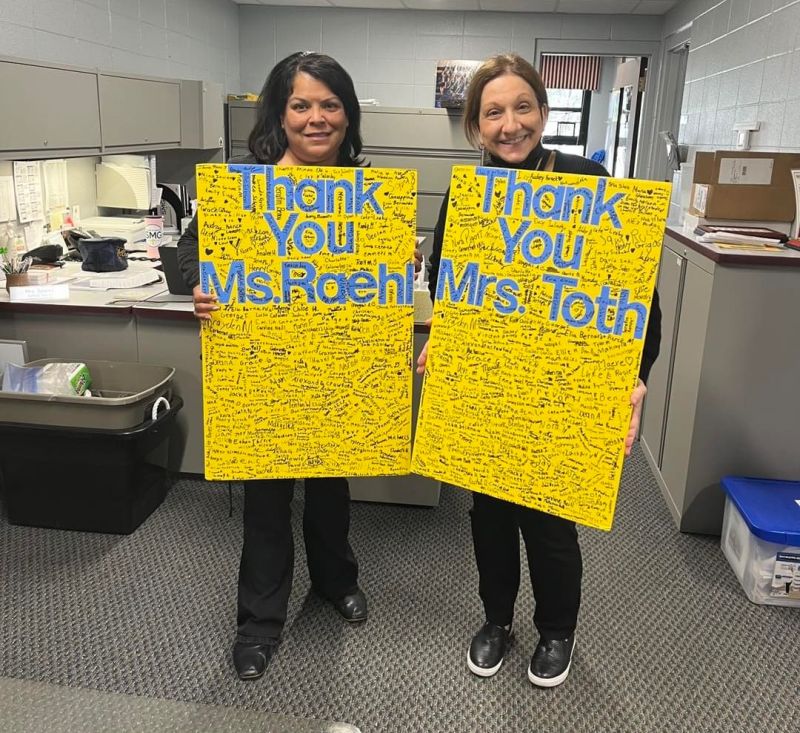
(739,185)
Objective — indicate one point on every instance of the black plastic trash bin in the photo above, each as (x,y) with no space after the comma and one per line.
(82,476)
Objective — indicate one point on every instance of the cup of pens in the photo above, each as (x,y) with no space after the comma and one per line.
(15,268)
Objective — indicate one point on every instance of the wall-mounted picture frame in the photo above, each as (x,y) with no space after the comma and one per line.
(452,81)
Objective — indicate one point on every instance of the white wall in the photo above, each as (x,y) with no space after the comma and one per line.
(186,39)
(392,54)
(744,65)
(598,115)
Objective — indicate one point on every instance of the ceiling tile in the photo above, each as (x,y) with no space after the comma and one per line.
(593,7)
(441,4)
(589,7)
(306,3)
(371,4)
(520,6)
(654,7)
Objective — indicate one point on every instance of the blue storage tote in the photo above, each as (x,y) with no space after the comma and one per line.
(761,538)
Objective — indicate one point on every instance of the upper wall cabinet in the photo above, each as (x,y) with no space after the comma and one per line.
(49,109)
(202,115)
(58,111)
(139,112)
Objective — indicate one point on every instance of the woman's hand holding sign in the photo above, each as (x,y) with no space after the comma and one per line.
(637,398)
(422,359)
(204,304)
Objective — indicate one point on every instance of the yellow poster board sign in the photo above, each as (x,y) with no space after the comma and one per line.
(542,302)
(307,363)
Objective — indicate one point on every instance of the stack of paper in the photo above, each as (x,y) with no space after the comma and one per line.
(759,238)
(124,280)
(127,228)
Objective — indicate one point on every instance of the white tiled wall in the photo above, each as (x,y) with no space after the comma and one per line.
(392,54)
(744,66)
(187,39)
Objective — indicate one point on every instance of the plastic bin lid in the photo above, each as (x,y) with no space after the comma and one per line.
(770,508)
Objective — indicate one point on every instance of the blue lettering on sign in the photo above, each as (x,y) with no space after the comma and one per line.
(473,286)
(562,306)
(300,279)
(528,200)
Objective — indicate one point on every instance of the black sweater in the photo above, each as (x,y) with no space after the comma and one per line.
(564,163)
(188,244)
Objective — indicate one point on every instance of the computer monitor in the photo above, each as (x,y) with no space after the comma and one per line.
(172,272)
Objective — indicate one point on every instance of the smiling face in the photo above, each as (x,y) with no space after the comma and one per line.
(314,122)
(510,119)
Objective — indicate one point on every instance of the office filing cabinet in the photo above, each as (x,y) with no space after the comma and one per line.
(722,396)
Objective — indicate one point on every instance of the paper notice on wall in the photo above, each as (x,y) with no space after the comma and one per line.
(8,205)
(28,187)
(34,234)
(56,195)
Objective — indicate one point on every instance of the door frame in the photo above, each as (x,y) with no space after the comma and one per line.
(669,93)
(653,50)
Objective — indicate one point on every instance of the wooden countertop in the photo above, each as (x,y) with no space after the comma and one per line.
(724,256)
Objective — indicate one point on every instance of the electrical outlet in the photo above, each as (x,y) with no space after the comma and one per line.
(742,139)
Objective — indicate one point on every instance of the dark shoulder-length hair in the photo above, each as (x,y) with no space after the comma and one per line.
(267,141)
(489,70)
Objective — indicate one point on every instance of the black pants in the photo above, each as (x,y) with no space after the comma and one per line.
(267,566)
(554,559)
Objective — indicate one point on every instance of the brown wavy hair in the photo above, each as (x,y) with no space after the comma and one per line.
(489,70)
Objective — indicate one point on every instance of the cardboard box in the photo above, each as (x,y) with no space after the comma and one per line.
(744,186)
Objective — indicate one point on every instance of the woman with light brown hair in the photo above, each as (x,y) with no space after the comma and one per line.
(505,116)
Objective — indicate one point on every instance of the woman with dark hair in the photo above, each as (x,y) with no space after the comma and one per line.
(308,114)
(270,141)
(505,116)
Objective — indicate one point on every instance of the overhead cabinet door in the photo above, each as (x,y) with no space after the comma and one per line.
(139,112)
(46,108)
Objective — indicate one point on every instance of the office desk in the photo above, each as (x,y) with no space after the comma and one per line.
(128,325)
(90,325)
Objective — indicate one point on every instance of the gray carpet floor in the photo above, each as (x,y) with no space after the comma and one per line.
(667,639)
(41,707)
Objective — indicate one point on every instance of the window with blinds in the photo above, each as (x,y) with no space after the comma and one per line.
(570,72)
(570,81)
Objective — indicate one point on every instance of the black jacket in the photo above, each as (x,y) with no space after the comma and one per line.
(188,250)
(564,163)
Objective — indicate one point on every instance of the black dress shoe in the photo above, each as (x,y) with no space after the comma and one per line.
(488,647)
(352,607)
(251,660)
(551,661)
